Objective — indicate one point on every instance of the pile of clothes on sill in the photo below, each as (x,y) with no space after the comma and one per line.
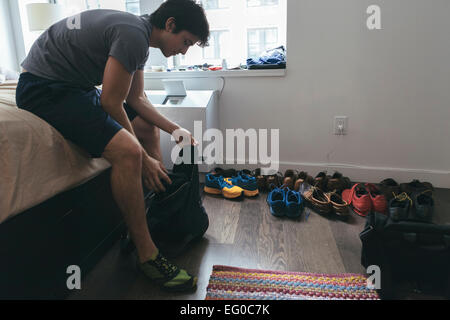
(270,59)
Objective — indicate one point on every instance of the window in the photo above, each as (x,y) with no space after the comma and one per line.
(75,6)
(217,45)
(240,29)
(260,40)
(244,30)
(214,4)
(133,6)
(260,3)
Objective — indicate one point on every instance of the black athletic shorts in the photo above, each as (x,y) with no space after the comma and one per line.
(75,112)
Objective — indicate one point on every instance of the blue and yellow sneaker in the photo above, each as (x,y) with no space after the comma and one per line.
(245,182)
(294,204)
(218,185)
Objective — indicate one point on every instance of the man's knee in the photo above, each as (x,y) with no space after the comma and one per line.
(124,149)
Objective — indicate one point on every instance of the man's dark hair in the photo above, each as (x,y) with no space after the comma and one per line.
(189,16)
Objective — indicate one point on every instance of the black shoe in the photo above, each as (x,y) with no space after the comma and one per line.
(389,187)
(415,186)
(226,173)
(424,206)
(399,207)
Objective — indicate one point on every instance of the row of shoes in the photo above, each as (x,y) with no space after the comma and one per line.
(291,192)
(406,201)
(322,193)
(293,179)
(337,195)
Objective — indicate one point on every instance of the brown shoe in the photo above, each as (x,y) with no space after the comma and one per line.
(260,180)
(274,179)
(318,200)
(290,176)
(301,178)
(338,183)
(321,181)
(340,207)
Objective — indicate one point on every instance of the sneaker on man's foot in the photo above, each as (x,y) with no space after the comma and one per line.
(167,275)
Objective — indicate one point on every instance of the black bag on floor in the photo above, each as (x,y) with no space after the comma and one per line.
(407,251)
(177,217)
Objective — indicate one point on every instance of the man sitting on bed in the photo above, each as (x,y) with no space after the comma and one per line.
(111,48)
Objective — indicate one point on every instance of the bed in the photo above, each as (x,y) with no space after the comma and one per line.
(56,206)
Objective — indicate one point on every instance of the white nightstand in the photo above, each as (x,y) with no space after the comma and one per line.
(198,105)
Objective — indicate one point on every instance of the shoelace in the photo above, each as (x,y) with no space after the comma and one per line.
(165,267)
(429,190)
(224,183)
(402,197)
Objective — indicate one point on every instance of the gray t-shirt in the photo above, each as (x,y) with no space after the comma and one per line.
(75,50)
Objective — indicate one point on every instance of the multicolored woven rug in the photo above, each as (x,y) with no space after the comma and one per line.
(229,283)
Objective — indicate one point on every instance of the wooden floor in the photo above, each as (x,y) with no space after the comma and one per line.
(243,234)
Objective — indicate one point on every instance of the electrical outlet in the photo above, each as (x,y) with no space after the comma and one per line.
(340,125)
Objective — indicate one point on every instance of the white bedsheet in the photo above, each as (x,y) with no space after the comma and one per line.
(36,162)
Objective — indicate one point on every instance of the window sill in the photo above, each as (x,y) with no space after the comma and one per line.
(216,74)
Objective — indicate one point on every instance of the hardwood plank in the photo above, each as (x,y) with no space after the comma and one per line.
(245,254)
(271,247)
(346,235)
(224,217)
(311,246)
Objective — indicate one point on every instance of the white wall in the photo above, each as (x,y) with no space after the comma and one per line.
(393,84)
(8,56)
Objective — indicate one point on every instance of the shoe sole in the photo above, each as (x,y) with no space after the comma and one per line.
(231,195)
(218,192)
(189,286)
(249,193)
(358,212)
(212,191)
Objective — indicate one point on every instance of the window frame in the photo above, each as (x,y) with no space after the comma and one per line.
(261,29)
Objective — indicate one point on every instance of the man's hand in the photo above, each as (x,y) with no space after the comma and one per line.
(152,172)
(183,137)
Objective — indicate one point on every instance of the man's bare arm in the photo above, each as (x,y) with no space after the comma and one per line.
(138,100)
(116,86)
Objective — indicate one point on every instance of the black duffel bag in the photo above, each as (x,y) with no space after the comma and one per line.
(407,251)
(176,217)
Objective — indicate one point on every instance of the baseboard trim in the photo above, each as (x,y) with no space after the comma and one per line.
(439,178)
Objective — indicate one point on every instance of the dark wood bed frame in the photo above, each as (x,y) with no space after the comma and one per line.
(73,228)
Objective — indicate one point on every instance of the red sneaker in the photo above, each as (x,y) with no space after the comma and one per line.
(359,199)
(379,202)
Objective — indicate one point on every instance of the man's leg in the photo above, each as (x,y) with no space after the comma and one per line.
(149,137)
(125,155)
